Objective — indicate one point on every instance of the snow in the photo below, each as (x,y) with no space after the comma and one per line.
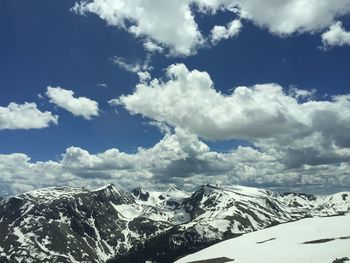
(100,249)
(21,237)
(27,208)
(251,191)
(154,199)
(221,224)
(168,207)
(128,211)
(48,194)
(284,243)
(181,216)
(104,187)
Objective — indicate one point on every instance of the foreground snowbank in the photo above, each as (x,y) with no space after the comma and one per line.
(308,240)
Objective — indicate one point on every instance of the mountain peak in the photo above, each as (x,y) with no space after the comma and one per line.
(173,187)
(114,194)
(92,226)
(52,193)
(109,187)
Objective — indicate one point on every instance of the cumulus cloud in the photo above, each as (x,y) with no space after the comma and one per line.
(336,36)
(163,128)
(214,115)
(166,22)
(301,94)
(179,158)
(80,106)
(284,17)
(25,116)
(224,32)
(152,47)
(18,174)
(303,131)
(171,24)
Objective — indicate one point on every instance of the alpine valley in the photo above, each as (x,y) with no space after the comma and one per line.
(71,225)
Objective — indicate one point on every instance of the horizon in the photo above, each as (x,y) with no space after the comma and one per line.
(191,93)
(165,187)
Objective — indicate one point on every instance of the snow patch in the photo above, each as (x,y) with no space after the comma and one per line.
(287,243)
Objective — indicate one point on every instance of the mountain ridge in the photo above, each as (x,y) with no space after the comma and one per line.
(70,224)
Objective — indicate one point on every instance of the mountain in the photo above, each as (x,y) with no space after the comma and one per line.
(66,224)
(321,240)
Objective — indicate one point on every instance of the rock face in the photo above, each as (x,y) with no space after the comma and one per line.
(65,224)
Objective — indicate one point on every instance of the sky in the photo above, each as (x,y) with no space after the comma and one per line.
(152,92)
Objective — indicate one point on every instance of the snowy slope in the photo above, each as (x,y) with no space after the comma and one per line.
(320,240)
(218,213)
(66,224)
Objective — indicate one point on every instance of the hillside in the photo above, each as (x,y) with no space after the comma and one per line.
(321,240)
(66,224)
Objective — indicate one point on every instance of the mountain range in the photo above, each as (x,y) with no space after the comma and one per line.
(67,224)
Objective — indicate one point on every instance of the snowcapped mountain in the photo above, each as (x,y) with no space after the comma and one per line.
(65,224)
(321,240)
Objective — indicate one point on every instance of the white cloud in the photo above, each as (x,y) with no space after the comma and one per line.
(18,174)
(336,36)
(152,47)
(144,76)
(302,131)
(285,17)
(132,67)
(25,116)
(102,85)
(163,128)
(301,93)
(232,29)
(80,106)
(179,158)
(213,115)
(171,24)
(167,22)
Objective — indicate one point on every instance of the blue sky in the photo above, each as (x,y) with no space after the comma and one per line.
(47,43)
